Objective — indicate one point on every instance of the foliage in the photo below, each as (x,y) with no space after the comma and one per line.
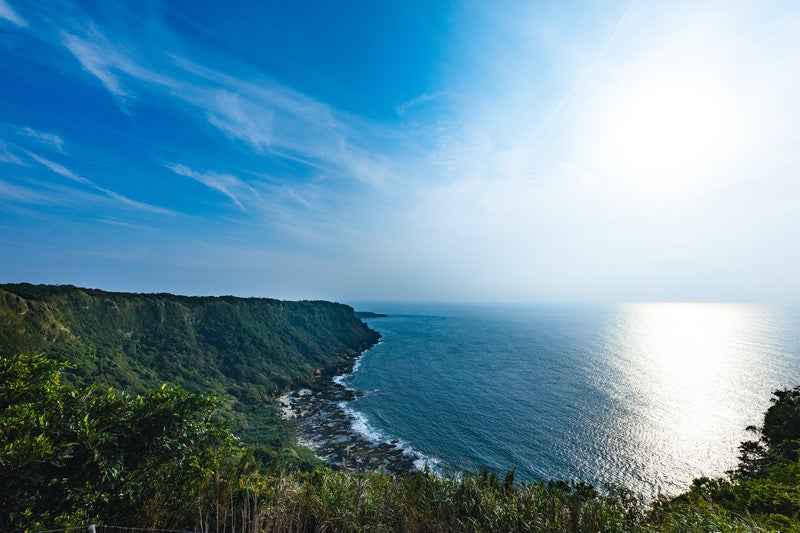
(781,431)
(248,350)
(70,455)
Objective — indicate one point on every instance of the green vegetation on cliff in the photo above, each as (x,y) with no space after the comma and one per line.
(247,350)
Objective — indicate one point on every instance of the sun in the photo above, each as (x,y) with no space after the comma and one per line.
(666,131)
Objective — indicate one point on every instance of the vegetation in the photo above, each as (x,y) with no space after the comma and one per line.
(71,455)
(247,350)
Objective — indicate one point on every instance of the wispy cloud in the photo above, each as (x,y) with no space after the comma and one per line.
(129,225)
(7,157)
(6,12)
(59,169)
(109,62)
(403,108)
(9,191)
(140,206)
(50,140)
(239,119)
(99,59)
(65,172)
(627,19)
(271,118)
(276,120)
(12,136)
(227,184)
(56,142)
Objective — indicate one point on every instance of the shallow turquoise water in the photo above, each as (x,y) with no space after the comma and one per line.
(645,395)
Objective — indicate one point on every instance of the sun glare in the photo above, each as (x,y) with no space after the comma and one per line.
(668,132)
(686,363)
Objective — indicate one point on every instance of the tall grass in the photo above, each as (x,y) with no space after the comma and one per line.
(328,500)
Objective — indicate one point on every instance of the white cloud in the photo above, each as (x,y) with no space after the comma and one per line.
(9,191)
(6,12)
(403,108)
(273,118)
(139,206)
(100,60)
(108,62)
(627,19)
(240,119)
(63,171)
(8,157)
(227,184)
(59,169)
(50,140)
(269,117)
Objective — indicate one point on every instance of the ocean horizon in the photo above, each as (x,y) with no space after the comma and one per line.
(644,395)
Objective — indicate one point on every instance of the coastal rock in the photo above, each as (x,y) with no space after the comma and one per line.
(325,424)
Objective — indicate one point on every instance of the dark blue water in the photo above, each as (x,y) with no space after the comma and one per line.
(645,395)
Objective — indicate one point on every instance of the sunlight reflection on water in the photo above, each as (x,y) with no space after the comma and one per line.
(684,368)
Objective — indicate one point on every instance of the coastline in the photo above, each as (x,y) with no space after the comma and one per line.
(326,423)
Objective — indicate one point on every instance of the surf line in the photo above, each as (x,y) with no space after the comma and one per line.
(326,421)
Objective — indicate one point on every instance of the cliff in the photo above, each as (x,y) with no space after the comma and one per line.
(247,349)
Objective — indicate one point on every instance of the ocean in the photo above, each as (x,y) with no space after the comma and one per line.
(645,395)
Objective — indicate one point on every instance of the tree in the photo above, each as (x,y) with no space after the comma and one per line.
(70,455)
(781,431)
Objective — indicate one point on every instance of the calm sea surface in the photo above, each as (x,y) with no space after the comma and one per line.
(645,395)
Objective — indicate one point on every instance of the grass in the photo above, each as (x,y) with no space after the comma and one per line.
(327,500)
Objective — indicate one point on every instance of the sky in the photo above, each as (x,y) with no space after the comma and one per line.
(505,151)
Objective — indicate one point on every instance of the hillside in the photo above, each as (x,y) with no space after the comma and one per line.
(246,349)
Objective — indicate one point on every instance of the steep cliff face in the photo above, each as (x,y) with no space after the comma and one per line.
(248,349)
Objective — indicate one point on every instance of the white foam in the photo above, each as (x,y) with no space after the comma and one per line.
(341,378)
(356,364)
(361,426)
(422,461)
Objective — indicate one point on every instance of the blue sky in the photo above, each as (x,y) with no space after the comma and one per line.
(453,151)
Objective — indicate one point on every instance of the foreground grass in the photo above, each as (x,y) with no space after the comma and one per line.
(327,500)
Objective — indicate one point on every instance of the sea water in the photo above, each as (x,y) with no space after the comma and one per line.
(648,396)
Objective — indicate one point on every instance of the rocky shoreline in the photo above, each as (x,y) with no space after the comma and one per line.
(324,424)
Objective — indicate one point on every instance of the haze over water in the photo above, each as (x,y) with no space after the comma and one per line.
(649,396)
